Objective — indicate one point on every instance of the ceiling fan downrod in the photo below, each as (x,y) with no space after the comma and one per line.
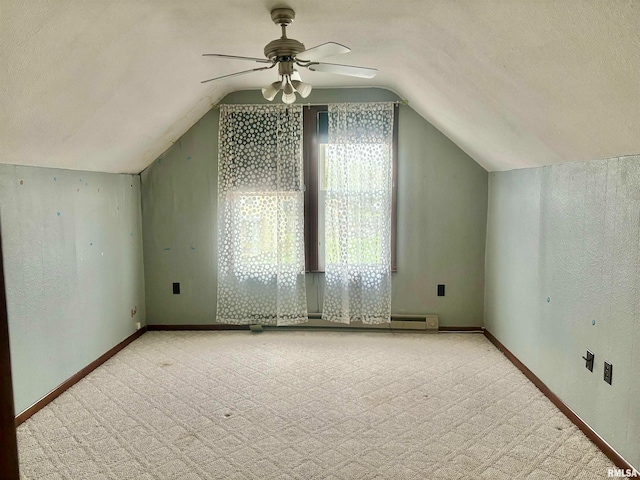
(283,49)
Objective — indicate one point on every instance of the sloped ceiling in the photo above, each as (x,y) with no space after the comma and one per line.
(109,85)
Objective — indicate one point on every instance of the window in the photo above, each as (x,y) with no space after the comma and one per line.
(316,175)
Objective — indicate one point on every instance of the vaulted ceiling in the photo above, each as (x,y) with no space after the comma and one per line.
(109,85)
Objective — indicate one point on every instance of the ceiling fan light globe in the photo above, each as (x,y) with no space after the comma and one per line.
(304,89)
(288,98)
(270,91)
(288,89)
(296,76)
(268,94)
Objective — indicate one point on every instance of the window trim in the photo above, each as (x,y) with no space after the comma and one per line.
(310,160)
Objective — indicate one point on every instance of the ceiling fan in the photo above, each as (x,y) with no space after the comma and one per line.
(287,54)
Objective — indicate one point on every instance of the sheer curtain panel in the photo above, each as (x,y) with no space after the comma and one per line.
(261,277)
(358,180)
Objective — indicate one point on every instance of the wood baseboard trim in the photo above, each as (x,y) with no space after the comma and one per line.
(246,327)
(196,327)
(461,329)
(56,392)
(614,456)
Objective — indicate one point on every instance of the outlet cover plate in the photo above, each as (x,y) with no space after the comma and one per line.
(608,372)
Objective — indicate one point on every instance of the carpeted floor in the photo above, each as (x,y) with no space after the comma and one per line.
(305,405)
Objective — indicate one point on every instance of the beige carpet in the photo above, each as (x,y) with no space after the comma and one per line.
(305,405)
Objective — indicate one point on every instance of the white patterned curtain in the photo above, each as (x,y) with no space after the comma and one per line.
(260,216)
(358,213)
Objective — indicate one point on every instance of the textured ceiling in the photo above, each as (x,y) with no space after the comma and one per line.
(109,85)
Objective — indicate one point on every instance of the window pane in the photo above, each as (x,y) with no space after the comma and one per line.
(264,226)
(323,127)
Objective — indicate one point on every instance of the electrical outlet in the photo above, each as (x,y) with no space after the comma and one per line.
(589,360)
(441,290)
(608,372)
(176,288)
(138,326)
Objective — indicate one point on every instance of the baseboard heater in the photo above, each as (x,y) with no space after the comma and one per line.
(398,322)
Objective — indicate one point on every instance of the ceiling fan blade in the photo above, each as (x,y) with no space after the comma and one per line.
(236,57)
(239,73)
(349,70)
(321,51)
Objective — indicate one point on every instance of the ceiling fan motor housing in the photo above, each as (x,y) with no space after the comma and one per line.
(283,47)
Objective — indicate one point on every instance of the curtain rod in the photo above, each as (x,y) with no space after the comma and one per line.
(395,102)
(309,105)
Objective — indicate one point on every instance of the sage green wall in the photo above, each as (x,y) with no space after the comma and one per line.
(442,201)
(563,276)
(72,249)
